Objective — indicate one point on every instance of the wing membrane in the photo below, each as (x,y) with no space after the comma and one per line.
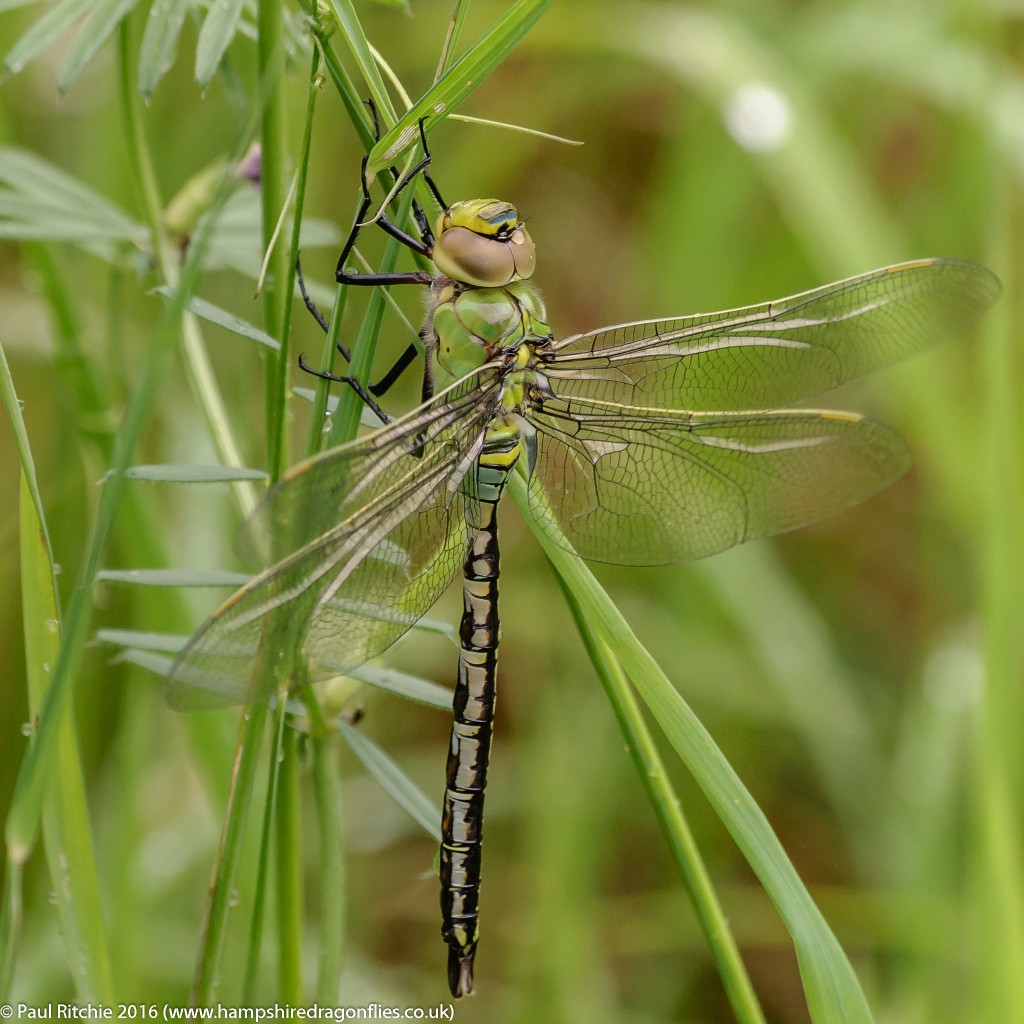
(647,487)
(374,536)
(779,352)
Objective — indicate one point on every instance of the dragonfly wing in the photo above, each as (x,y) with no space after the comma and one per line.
(649,487)
(780,352)
(345,591)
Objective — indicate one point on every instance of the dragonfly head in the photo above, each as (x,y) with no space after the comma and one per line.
(483,243)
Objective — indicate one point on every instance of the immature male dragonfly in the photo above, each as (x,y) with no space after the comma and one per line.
(644,443)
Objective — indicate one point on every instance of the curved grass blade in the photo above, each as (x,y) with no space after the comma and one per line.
(458,82)
(49,27)
(106,16)
(222,318)
(362,51)
(451,39)
(834,995)
(173,577)
(68,840)
(218,30)
(201,474)
(656,780)
(36,186)
(404,685)
(393,781)
(144,640)
(160,42)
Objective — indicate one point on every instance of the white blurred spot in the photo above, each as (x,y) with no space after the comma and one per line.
(165,852)
(954,676)
(758,117)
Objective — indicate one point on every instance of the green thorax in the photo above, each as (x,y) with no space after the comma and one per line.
(474,325)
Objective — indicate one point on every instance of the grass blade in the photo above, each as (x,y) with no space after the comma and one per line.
(63,808)
(458,82)
(160,42)
(179,474)
(655,779)
(32,180)
(393,781)
(49,27)
(833,993)
(352,30)
(106,16)
(173,577)
(218,30)
(403,685)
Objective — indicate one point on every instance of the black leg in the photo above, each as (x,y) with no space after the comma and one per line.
(427,158)
(426,233)
(402,363)
(344,276)
(352,383)
(317,315)
(423,246)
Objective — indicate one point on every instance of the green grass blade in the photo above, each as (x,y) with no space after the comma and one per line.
(362,52)
(37,185)
(833,993)
(403,685)
(327,793)
(458,82)
(66,830)
(22,823)
(49,27)
(167,472)
(106,16)
(173,577)
(288,874)
(222,318)
(170,643)
(393,781)
(68,839)
(160,42)
(219,898)
(997,849)
(451,39)
(655,780)
(218,30)
(10,923)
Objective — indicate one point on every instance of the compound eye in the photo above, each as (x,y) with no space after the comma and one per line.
(465,256)
(524,254)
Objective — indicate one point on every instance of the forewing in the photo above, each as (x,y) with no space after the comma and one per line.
(780,352)
(374,534)
(640,488)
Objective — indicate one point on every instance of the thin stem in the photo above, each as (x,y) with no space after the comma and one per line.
(243,775)
(273,197)
(259,902)
(288,869)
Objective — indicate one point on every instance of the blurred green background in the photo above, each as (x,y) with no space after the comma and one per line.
(861,675)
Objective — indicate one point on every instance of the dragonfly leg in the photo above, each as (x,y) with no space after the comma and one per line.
(354,384)
(425,163)
(402,363)
(422,222)
(345,276)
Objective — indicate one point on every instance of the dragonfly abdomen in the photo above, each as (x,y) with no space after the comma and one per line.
(473,705)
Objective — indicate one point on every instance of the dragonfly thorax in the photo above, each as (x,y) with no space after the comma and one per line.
(483,243)
(475,325)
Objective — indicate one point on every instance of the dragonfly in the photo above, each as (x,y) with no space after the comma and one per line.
(643,443)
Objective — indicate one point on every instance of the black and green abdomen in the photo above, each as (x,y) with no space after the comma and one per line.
(468,754)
